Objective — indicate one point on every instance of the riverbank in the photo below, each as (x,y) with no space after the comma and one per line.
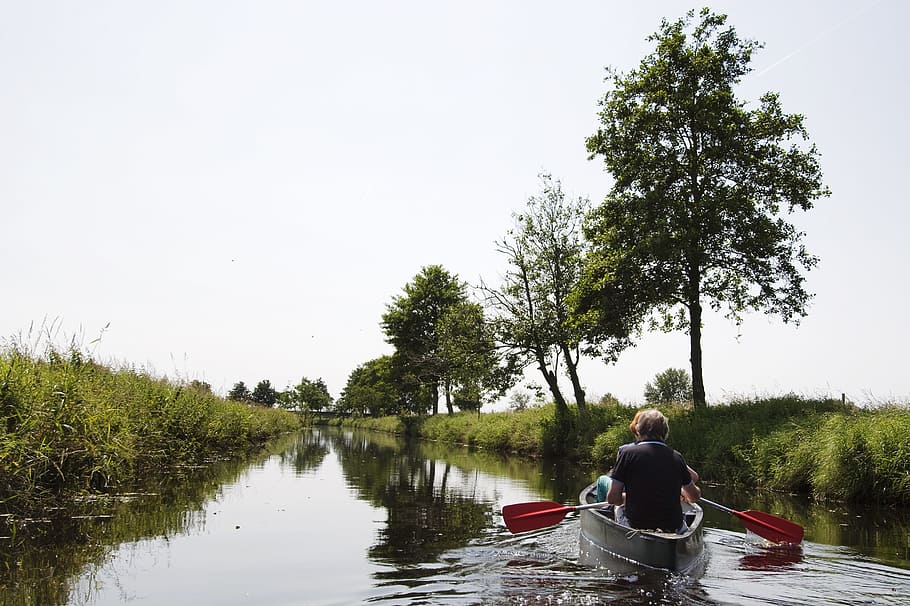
(827,448)
(70,425)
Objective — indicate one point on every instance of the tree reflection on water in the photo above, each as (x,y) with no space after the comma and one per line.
(426,515)
(40,558)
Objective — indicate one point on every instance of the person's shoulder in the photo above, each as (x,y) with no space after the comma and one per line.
(679,456)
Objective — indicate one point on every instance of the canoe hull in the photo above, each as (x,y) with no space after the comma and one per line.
(601,535)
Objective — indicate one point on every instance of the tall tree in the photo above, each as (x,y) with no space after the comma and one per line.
(240,392)
(411,324)
(531,312)
(371,389)
(264,393)
(313,395)
(701,183)
(475,371)
(669,386)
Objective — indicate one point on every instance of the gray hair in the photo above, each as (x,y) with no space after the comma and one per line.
(652,424)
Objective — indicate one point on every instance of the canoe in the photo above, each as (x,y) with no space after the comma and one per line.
(602,535)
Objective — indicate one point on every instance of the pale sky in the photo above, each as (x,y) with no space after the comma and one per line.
(236,190)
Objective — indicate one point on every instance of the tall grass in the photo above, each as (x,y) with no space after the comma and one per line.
(504,432)
(69,423)
(827,448)
(855,455)
(535,431)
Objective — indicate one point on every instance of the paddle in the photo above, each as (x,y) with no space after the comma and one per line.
(773,528)
(522,517)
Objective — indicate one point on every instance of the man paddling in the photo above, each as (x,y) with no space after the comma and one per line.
(603,482)
(648,478)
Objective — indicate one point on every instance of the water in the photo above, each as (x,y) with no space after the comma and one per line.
(331,517)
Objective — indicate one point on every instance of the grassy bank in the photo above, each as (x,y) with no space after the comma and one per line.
(825,448)
(70,424)
(822,447)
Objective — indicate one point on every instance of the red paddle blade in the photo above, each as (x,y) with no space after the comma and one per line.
(522,517)
(773,528)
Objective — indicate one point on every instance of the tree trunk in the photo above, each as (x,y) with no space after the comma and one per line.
(434,394)
(698,382)
(572,367)
(449,408)
(561,407)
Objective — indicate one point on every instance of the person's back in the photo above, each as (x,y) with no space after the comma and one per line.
(648,477)
(652,474)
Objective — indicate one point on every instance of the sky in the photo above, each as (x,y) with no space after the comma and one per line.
(235,191)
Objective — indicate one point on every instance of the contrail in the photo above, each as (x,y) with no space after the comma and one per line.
(819,36)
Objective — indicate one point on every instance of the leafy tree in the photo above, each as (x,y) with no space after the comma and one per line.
(416,395)
(371,389)
(475,372)
(313,395)
(671,385)
(411,324)
(264,393)
(701,182)
(519,400)
(240,393)
(532,315)
(287,399)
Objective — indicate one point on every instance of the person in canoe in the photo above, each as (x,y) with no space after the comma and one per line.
(603,482)
(649,478)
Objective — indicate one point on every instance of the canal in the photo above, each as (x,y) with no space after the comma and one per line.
(335,517)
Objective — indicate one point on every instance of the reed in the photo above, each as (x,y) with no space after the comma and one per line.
(68,423)
(824,447)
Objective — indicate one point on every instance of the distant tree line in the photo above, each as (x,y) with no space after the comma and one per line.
(702,184)
(306,396)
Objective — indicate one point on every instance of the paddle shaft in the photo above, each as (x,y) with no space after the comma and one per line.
(718,506)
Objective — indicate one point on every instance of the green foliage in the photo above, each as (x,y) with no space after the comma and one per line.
(533,431)
(68,423)
(312,395)
(864,456)
(412,325)
(607,443)
(388,424)
(519,400)
(264,394)
(504,432)
(372,390)
(701,182)
(200,386)
(544,251)
(826,448)
(240,393)
(608,400)
(475,372)
(671,385)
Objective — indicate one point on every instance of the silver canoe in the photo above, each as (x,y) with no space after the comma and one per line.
(602,535)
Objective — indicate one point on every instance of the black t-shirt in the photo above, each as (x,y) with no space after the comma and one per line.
(652,474)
